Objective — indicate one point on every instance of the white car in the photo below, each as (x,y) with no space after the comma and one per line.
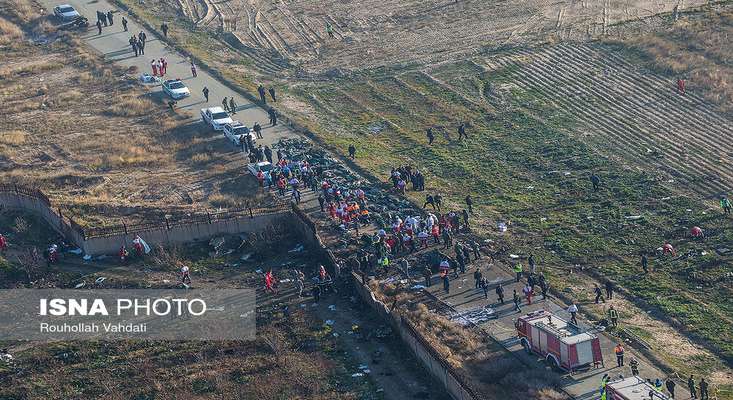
(263,166)
(65,12)
(175,89)
(216,117)
(235,130)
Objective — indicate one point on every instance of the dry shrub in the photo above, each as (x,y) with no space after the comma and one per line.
(130,106)
(9,31)
(219,200)
(13,138)
(84,77)
(201,158)
(38,67)
(69,95)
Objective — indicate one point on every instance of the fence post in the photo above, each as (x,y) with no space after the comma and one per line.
(208,216)
(124,226)
(250,212)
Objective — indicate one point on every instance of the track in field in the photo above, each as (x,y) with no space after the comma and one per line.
(628,112)
(373,33)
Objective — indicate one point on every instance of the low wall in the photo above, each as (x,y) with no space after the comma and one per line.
(109,241)
(429,358)
(183,233)
(38,204)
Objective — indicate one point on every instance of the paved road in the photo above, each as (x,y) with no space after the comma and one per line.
(113,43)
(464,297)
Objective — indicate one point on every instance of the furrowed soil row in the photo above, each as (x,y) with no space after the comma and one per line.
(556,69)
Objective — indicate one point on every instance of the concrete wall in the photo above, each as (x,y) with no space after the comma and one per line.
(42,209)
(183,233)
(111,244)
(429,359)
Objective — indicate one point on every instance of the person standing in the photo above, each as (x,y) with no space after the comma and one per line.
(154,67)
(619,351)
(517,300)
(518,271)
(634,364)
(261,91)
(428,275)
(469,203)
(691,387)
(596,181)
(272,94)
(670,387)
(141,41)
(704,389)
(300,282)
(124,24)
(446,282)
(110,18)
(329,30)
(205,91)
(462,131)
(613,316)
(185,275)
(645,263)
(257,128)
(3,244)
(484,284)
(99,27)
(273,116)
(725,204)
(164,28)
(609,290)
(599,294)
(352,151)
(527,290)
(193,69)
(232,105)
(477,275)
(680,86)
(133,44)
(500,293)
(573,310)
(544,287)
(268,154)
(430,135)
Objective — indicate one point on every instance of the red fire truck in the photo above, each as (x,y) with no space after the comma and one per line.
(633,388)
(561,343)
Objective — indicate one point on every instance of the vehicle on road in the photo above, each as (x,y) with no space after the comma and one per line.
(65,12)
(235,130)
(175,89)
(563,345)
(263,166)
(215,117)
(633,388)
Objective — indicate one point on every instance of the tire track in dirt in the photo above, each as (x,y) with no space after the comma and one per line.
(624,102)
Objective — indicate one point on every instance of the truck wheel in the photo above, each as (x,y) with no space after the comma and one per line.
(525,344)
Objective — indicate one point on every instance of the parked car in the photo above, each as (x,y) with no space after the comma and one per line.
(215,117)
(65,12)
(263,166)
(175,89)
(235,130)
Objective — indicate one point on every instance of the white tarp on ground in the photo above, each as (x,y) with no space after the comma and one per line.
(474,316)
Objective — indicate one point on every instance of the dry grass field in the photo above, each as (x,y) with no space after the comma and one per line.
(97,141)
